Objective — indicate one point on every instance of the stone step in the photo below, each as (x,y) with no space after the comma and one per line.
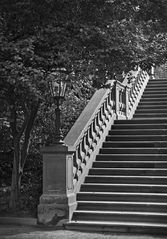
(126,188)
(134,151)
(156,88)
(131,157)
(149,115)
(122,196)
(120,216)
(139,126)
(151,93)
(129,171)
(153,102)
(126,179)
(151,106)
(122,206)
(142,121)
(115,227)
(138,131)
(150,110)
(153,98)
(118,187)
(154,95)
(158,78)
(136,137)
(106,161)
(157,83)
(135,144)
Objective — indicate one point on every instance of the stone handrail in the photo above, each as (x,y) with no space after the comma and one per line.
(119,101)
(89,131)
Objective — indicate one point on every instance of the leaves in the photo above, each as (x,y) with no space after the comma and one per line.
(94,40)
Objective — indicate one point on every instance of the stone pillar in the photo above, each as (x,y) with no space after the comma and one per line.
(58,200)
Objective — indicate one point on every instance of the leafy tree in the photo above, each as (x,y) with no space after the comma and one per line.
(22,98)
(92,39)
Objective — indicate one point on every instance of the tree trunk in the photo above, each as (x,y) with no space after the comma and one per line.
(16,178)
(20,155)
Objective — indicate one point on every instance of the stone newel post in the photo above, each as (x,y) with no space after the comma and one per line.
(58,198)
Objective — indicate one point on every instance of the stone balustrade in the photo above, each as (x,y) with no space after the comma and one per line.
(65,166)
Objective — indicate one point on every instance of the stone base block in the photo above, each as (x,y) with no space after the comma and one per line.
(53,209)
(51,214)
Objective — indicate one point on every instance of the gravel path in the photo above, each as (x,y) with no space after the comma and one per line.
(25,232)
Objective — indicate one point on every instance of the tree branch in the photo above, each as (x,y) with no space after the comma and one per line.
(13,121)
(20,133)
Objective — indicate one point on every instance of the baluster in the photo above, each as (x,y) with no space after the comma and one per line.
(132,99)
(84,148)
(77,163)
(127,101)
(90,141)
(81,155)
(116,100)
(119,101)
(75,168)
(99,124)
(89,136)
(141,80)
(106,109)
(133,94)
(123,101)
(110,103)
(93,134)
(103,117)
(138,85)
(96,131)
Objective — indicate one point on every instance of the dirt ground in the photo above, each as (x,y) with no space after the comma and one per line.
(27,232)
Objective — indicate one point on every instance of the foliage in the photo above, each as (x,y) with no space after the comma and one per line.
(92,39)
(103,37)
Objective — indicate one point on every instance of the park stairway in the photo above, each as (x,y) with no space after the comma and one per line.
(126,188)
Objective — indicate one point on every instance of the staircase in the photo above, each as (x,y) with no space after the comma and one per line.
(126,188)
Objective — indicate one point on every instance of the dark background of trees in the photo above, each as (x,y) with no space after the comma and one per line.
(94,40)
